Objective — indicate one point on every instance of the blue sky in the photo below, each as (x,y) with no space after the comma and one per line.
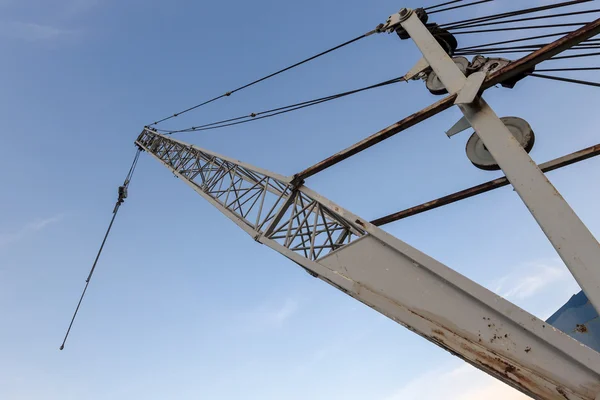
(183,305)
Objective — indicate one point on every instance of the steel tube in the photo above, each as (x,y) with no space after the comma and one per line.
(518,67)
(552,165)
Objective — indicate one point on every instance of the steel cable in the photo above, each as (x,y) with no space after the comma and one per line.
(443,4)
(461,6)
(518,28)
(115,211)
(568,69)
(575,56)
(280,110)
(568,80)
(482,46)
(265,77)
(454,25)
(476,25)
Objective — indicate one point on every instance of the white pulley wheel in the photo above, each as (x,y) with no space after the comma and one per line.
(480,156)
(435,86)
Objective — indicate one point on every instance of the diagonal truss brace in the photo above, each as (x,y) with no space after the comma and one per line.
(387,274)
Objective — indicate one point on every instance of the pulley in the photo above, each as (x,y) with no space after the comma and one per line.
(422,14)
(435,86)
(445,39)
(491,65)
(479,155)
(494,64)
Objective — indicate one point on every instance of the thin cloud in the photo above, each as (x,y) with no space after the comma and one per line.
(533,278)
(271,316)
(75,8)
(57,16)
(461,383)
(28,230)
(32,32)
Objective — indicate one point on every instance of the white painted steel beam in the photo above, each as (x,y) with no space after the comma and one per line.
(573,241)
(387,274)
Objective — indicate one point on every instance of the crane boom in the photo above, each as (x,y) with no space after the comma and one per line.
(387,274)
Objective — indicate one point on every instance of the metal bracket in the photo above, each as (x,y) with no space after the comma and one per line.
(394,20)
(461,125)
(471,88)
(421,66)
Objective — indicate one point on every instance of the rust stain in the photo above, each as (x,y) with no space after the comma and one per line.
(489,360)
(561,391)
(358,221)
(502,367)
(439,332)
(581,328)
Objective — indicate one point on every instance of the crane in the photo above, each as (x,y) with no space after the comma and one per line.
(425,296)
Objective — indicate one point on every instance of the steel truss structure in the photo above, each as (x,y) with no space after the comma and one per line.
(396,279)
(387,274)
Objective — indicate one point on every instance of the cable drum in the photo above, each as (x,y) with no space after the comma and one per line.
(479,155)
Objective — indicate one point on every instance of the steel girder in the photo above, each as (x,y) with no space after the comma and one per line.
(387,274)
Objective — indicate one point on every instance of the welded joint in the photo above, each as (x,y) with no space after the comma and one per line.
(296,182)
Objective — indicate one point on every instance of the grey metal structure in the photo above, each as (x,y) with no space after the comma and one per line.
(396,279)
(387,274)
(573,241)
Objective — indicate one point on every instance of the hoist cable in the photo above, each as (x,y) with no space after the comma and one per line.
(575,56)
(568,69)
(115,211)
(488,52)
(254,115)
(534,46)
(461,6)
(518,28)
(443,4)
(531,47)
(582,45)
(280,110)
(509,14)
(215,126)
(481,46)
(266,77)
(476,25)
(558,78)
(519,49)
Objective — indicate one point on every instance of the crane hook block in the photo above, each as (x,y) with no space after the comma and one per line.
(122,193)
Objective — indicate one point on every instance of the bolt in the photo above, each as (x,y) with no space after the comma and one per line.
(403,12)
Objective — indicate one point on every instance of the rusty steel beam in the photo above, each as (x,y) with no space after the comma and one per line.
(552,165)
(526,63)
(510,71)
